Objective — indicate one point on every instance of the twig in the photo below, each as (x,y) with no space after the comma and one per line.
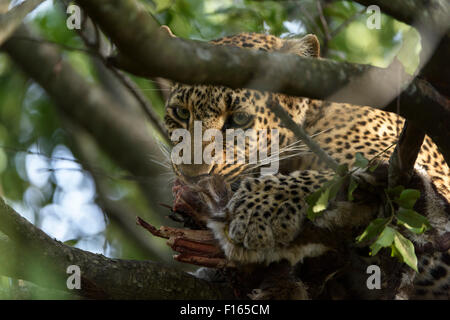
(300,134)
(196,247)
(204,261)
(101,277)
(121,135)
(324,23)
(125,80)
(204,236)
(143,102)
(323,20)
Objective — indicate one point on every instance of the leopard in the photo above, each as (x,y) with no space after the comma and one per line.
(265,220)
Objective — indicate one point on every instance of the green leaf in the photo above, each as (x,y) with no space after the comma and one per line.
(395,253)
(322,202)
(311,200)
(374,167)
(405,249)
(71,242)
(318,201)
(408,198)
(395,192)
(373,229)
(352,187)
(384,240)
(360,160)
(342,170)
(336,186)
(412,220)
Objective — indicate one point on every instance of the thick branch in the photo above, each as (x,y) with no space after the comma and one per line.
(194,62)
(434,12)
(117,211)
(437,70)
(432,19)
(37,254)
(402,160)
(123,135)
(11,20)
(428,111)
(94,41)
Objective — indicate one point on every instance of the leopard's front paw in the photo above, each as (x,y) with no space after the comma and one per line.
(259,225)
(260,217)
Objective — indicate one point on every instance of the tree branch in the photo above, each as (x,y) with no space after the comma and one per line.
(123,135)
(194,62)
(432,19)
(117,211)
(11,20)
(36,254)
(428,111)
(301,134)
(402,160)
(94,41)
(434,12)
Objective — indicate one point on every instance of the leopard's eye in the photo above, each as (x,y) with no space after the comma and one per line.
(182,113)
(240,119)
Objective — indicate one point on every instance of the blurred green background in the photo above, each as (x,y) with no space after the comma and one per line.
(40,174)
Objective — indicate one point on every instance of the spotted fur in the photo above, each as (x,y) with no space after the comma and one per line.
(265,219)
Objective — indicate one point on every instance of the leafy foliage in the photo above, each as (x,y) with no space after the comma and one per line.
(380,232)
(318,201)
(387,236)
(30,123)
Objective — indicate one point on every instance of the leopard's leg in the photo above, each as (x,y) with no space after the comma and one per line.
(433,279)
(265,216)
(264,213)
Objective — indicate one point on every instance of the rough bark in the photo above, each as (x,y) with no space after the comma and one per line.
(123,214)
(432,19)
(189,62)
(194,62)
(428,111)
(30,253)
(119,84)
(124,136)
(410,11)
(402,160)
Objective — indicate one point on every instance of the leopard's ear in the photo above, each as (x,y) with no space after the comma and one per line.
(308,46)
(167,30)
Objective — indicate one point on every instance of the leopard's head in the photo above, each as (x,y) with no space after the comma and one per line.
(222,108)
